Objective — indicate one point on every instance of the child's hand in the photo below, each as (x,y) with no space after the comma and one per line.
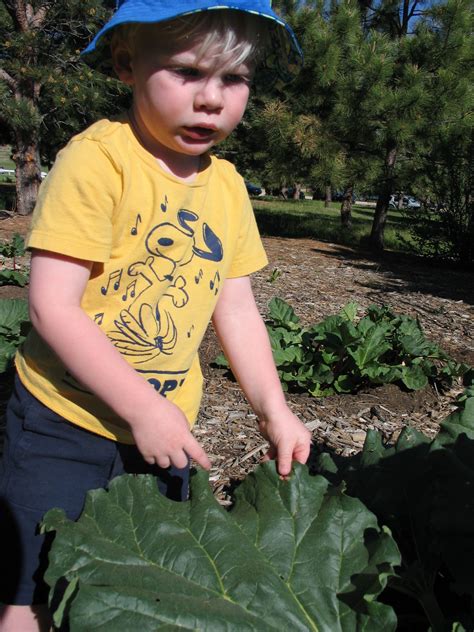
(288,437)
(163,437)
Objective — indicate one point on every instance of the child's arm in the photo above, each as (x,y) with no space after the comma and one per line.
(243,336)
(160,429)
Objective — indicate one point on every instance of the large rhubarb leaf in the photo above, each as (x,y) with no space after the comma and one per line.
(293,554)
(423,490)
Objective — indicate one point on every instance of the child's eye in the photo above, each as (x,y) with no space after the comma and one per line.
(236,79)
(187,72)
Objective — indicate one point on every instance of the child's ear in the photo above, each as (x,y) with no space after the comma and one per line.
(122,62)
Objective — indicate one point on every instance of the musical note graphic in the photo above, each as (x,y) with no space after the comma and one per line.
(190,331)
(198,276)
(130,290)
(134,230)
(164,205)
(214,284)
(99,318)
(114,277)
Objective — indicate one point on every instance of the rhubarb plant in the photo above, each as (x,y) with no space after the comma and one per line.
(344,352)
(307,553)
(14,325)
(12,250)
(423,490)
(296,554)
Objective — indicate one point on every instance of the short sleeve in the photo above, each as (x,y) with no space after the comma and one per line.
(249,254)
(74,212)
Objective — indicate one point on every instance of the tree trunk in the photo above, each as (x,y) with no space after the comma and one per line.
(28,19)
(28,174)
(346,207)
(328,196)
(376,241)
(466,242)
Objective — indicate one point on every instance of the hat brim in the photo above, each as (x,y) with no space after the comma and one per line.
(280,65)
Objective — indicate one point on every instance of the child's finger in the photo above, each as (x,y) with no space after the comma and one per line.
(284,460)
(301,452)
(195,451)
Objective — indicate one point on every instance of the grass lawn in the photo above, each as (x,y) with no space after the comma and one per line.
(284,218)
(309,218)
(5,161)
(7,181)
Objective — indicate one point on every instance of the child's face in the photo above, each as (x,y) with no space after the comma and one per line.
(183,104)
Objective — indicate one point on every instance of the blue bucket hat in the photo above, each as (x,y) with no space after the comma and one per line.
(281,63)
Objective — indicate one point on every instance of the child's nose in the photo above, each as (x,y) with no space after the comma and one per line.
(209,95)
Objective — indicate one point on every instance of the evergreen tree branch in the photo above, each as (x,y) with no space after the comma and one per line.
(37,19)
(8,79)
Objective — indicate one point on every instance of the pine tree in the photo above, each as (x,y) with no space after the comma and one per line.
(369,82)
(326,130)
(46,92)
(444,170)
(348,73)
(404,100)
(362,113)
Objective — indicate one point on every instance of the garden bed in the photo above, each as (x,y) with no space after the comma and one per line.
(318,279)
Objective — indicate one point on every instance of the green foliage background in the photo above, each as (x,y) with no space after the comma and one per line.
(384,105)
(45,59)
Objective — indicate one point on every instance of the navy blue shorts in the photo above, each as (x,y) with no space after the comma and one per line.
(48,462)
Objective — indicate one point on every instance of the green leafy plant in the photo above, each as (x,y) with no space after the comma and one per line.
(423,490)
(274,275)
(343,353)
(294,554)
(13,277)
(12,250)
(14,325)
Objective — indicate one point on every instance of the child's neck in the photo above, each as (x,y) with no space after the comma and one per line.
(185,172)
(178,165)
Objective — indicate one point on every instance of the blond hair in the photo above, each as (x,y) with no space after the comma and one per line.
(233,37)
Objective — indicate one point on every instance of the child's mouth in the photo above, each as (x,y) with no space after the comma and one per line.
(199,133)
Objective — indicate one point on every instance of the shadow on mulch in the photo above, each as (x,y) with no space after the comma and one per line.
(417,273)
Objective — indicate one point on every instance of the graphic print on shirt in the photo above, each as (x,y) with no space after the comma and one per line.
(145,329)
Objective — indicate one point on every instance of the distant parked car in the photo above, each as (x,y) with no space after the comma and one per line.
(408,202)
(253,189)
(411,203)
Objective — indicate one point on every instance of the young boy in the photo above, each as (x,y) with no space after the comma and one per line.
(139,237)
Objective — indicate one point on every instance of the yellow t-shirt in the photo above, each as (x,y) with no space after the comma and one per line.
(161,250)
